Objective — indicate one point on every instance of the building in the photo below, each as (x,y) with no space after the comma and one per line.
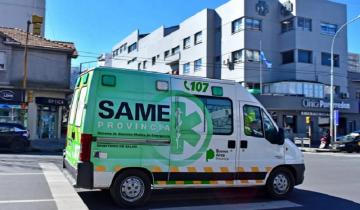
(16,13)
(41,106)
(354,62)
(226,42)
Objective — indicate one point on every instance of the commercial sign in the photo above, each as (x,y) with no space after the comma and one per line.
(321,104)
(50,101)
(11,96)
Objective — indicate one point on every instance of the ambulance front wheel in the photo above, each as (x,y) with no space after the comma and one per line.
(131,188)
(280,183)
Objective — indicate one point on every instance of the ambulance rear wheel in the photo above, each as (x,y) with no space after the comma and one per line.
(280,183)
(131,188)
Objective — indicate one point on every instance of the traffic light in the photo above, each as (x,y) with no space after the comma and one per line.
(308,119)
(37,22)
(30,96)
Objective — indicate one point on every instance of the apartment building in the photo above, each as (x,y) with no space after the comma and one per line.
(226,43)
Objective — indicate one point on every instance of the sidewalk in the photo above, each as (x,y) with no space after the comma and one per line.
(47,145)
(315,149)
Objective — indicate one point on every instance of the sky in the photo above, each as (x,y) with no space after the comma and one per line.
(95,26)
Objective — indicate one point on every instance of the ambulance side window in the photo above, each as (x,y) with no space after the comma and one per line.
(270,130)
(253,125)
(220,110)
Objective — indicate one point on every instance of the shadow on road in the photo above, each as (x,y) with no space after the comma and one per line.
(191,198)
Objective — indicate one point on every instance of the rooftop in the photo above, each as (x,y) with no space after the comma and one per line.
(17,37)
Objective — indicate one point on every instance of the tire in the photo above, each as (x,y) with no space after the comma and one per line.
(17,146)
(350,150)
(280,183)
(138,192)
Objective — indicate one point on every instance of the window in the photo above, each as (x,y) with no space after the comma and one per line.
(287,57)
(73,106)
(80,107)
(198,38)
(197,65)
(175,50)
(4,129)
(289,123)
(269,128)
(237,25)
(252,121)
(132,47)
(304,56)
(186,42)
(2,60)
(220,110)
(328,29)
(287,25)
(304,23)
(132,60)
(153,60)
(237,56)
(166,53)
(357,94)
(144,64)
(186,68)
(252,55)
(326,59)
(252,24)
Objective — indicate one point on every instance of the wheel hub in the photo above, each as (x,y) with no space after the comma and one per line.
(132,188)
(281,184)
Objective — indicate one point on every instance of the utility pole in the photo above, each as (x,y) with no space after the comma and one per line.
(261,92)
(24,85)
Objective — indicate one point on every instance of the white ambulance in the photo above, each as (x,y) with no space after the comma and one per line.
(137,131)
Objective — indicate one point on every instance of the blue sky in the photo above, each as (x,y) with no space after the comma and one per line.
(95,26)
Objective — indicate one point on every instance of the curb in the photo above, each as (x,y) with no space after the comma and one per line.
(317,150)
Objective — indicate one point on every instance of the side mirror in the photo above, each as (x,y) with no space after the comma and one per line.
(280,136)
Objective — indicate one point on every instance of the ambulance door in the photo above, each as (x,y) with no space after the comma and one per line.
(203,145)
(258,151)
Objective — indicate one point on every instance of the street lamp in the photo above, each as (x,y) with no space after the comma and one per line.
(81,64)
(332,78)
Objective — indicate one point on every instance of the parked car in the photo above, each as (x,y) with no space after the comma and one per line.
(14,136)
(349,143)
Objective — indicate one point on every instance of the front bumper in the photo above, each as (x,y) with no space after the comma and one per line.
(84,174)
(299,173)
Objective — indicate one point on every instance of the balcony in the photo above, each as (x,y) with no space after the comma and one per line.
(172,59)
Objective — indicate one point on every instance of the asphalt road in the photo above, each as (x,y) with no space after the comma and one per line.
(331,182)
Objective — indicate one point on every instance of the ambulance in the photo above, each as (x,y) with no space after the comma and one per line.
(137,131)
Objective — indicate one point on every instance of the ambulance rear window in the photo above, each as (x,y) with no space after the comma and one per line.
(73,106)
(80,106)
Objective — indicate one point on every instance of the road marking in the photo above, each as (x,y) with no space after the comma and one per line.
(243,206)
(19,174)
(26,201)
(63,193)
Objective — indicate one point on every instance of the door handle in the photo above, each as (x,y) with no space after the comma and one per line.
(243,144)
(231,144)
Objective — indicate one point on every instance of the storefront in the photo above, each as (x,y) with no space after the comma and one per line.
(290,112)
(12,107)
(49,117)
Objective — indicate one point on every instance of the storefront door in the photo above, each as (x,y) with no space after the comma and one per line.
(48,122)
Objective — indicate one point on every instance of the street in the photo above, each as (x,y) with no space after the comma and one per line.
(331,182)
